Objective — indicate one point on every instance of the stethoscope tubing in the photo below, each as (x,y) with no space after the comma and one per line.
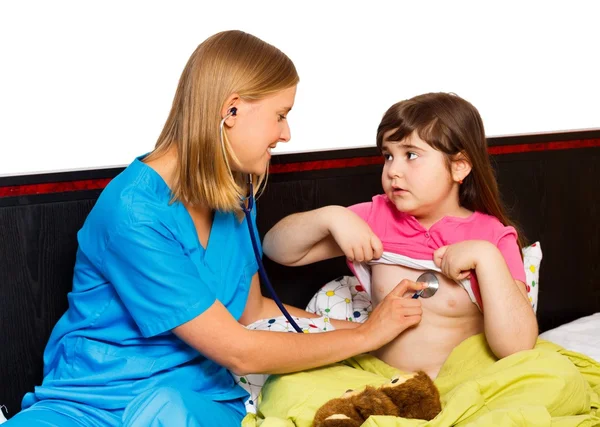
(261,268)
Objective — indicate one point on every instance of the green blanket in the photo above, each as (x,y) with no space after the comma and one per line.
(546,386)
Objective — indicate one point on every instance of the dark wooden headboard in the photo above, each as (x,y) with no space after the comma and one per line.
(550,182)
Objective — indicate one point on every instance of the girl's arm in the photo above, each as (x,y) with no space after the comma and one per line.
(324,233)
(217,335)
(509,321)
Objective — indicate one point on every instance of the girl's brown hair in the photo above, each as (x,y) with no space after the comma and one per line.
(453,126)
(226,63)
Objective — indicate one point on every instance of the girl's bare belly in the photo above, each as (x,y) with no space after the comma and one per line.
(449,317)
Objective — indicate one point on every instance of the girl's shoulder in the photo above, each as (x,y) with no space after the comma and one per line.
(488,227)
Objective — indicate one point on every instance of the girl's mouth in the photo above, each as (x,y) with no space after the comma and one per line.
(398,191)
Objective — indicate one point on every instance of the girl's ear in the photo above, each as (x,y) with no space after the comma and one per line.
(461,167)
(231,101)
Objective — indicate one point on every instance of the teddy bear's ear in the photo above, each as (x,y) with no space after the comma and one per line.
(399,379)
(349,393)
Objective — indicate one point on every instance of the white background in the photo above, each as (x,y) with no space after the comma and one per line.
(88,84)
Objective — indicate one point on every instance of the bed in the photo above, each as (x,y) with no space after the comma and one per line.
(550,183)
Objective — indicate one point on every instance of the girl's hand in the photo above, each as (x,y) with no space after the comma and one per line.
(354,236)
(456,261)
(393,315)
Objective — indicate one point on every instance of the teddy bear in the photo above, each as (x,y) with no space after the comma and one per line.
(409,396)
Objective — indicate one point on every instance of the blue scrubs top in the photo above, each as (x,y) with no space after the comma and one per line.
(140,271)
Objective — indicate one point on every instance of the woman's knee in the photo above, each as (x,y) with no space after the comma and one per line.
(42,417)
(149,407)
(168,406)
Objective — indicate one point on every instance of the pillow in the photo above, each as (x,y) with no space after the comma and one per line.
(580,335)
(343,298)
(2,417)
(532,258)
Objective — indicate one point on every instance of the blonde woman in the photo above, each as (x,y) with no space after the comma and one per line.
(165,277)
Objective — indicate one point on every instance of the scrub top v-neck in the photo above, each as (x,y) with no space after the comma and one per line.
(140,272)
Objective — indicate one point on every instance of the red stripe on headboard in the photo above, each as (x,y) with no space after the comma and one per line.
(375,160)
(326,164)
(98,184)
(54,187)
(544,146)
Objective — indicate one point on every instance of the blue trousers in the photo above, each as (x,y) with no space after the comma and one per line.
(163,407)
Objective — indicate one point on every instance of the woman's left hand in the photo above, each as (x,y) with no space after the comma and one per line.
(457,260)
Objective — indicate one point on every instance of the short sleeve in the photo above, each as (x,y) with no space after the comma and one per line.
(508,246)
(156,279)
(363,210)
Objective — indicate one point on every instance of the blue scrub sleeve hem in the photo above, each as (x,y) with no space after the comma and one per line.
(173,320)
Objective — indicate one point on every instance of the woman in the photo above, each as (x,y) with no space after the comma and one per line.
(165,277)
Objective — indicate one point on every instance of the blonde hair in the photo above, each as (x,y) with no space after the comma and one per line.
(225,63)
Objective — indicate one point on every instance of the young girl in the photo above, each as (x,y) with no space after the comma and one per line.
(441,204)
(165,276)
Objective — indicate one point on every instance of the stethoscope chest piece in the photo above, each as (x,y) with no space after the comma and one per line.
(433,285)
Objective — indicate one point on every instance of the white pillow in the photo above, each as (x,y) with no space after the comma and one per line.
(343,298)
(581,335)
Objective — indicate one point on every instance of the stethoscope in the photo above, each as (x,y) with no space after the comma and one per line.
(247,208)
(247,204)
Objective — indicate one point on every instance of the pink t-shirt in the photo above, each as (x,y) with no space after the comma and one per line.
(402,234)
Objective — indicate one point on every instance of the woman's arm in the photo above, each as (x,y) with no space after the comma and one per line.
(217,335)
(259,307)
(324,233)
(509,321)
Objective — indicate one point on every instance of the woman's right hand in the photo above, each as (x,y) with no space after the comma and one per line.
(393,315)
(354,236)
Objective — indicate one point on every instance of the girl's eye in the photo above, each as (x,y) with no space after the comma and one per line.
(281,117)
(387,156)
(411,156)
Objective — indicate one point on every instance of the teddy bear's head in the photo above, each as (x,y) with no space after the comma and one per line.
(408,396)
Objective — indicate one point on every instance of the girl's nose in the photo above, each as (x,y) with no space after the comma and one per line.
(394,171)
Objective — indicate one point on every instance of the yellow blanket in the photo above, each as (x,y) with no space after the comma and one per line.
(546,386)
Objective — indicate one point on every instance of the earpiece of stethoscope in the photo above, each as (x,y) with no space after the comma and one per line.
(433,285)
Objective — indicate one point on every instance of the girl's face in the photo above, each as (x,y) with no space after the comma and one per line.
(417,180)
(257,128)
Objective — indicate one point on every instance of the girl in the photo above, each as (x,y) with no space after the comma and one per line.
(165,276)
(441,204)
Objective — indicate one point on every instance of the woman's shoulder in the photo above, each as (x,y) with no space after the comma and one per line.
(137,195)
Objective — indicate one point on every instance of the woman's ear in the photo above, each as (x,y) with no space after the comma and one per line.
(231,102)
(461,167)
